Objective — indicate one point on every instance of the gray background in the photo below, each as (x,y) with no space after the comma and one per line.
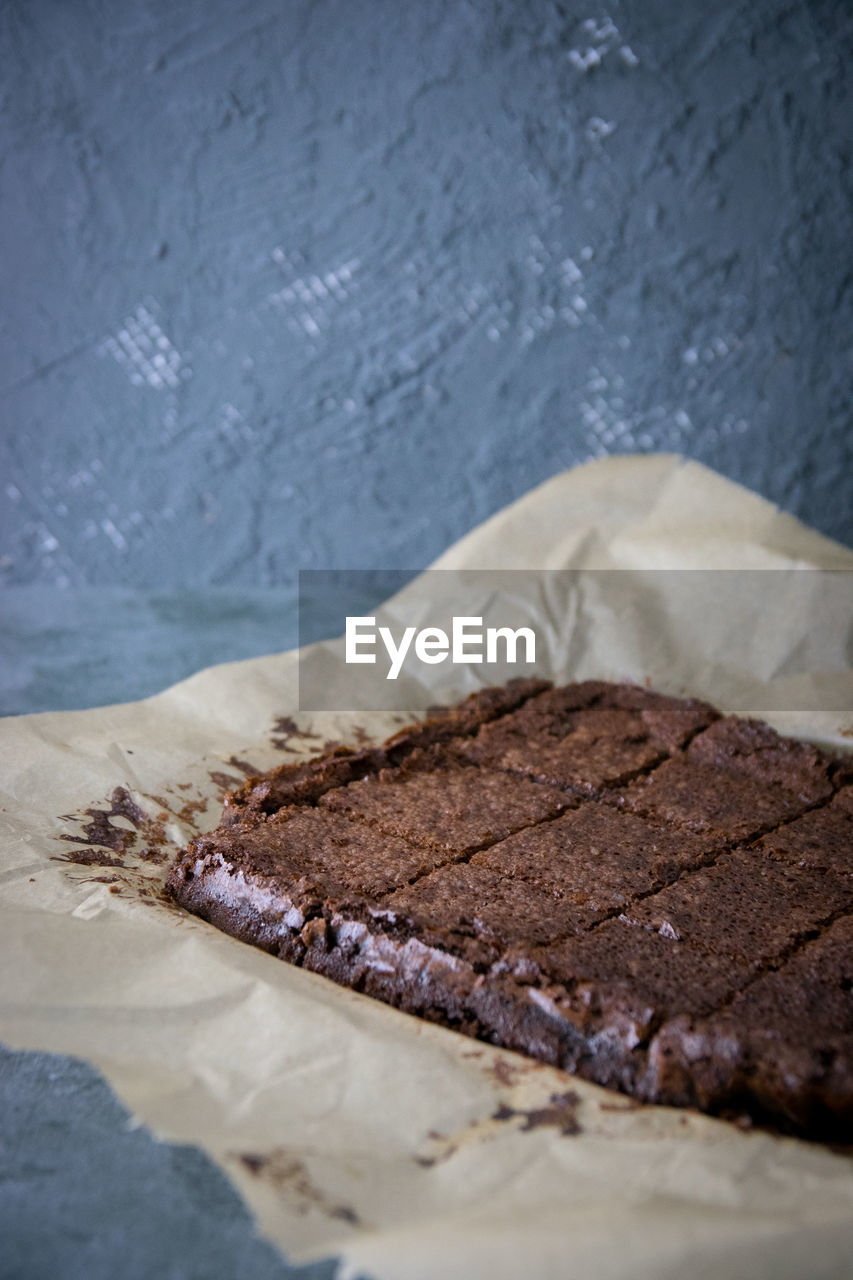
(297,285)
(293,284)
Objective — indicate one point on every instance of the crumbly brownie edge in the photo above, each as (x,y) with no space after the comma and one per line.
(618,1042)
(381,955)
(396,966)
(242,906)
(303,782)
(720,1067)
(390,958)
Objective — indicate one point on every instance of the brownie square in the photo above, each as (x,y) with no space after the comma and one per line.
(596,857)
(821,840)
(581,762)
(446,805)
(296,783)
(318,848)
(670,722)
(587,736)
(709,800)
(618,963)
(751,748)
(811,996)
(466,717)
(747,904)
(736,779)
(465,897)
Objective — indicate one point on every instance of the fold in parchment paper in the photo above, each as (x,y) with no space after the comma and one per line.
(350,1128)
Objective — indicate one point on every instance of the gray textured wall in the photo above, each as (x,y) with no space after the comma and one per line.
(301,284)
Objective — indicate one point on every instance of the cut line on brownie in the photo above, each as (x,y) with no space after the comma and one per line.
(427,799)
(726,1060)
(729,773)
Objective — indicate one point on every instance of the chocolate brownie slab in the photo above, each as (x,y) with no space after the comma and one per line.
(644,923)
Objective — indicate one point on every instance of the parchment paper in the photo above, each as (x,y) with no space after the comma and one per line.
(351,1128)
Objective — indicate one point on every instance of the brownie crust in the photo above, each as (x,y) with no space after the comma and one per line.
(626,885)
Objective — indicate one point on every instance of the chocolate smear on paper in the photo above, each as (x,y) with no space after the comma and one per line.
(100,833)
(285,730)
(560,1112)
(288,1173)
